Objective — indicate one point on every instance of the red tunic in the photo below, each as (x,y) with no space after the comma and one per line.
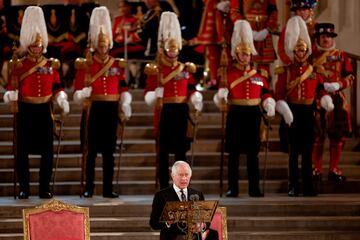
(36,81)
(110,83)
(291,90)
(179,85)
(335,66)
(248,91)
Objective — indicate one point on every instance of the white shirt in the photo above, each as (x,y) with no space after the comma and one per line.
(177,190)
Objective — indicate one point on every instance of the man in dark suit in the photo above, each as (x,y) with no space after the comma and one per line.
(179,191)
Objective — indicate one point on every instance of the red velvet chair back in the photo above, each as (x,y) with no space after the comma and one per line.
(56,220)
(219,223)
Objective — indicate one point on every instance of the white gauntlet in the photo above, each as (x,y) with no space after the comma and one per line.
(331,87)
(283,108)
(326,102)
(126,100)
(197,100)
(61,100)
(10,96)
(80,95)
(150,98)
(269,106)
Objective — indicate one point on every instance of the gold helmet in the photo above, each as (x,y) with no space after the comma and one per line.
(297,37)
(242,39)
(100,28)
(33,29)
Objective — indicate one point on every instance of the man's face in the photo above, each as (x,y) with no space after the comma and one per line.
(171,55)
(244,58)
(300,55)
(182,177)
(35,50)
(151,3)
(326,41)
(304,13)
(102,51)
(124,9)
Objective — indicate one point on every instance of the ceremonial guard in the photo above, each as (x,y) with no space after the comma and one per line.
(170,86)
(212,33)
(148,28)
(338,75)
(33,83)
(304,9)
(296,91)
(124,31)
(100,85)
(263,17)
(245,89)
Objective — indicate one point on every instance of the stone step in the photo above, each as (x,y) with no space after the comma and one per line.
(245,224)
(349,158)
(273,217)
(129,187)
(271,206)
(133,132)
(148,173)
(137,119)
(148,145)
(293,235)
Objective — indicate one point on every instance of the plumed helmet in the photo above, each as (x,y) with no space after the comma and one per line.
(100,28)
(33,29)
(242,38)
(296,36)
(169,35)
(296,4)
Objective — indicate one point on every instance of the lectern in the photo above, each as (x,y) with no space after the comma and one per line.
(187,214)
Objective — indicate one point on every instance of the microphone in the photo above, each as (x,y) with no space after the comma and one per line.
(194,197)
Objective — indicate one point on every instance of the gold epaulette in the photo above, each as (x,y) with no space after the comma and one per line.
(263,73)
(122,62)
(55,63)
(279,70)
(16,64)
(191,67)
(151,69)
(80,63)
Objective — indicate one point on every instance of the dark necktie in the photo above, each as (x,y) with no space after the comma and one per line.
(183,197)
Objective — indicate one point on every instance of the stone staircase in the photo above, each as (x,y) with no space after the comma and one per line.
(335,214)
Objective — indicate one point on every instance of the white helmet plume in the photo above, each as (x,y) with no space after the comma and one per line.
(100,21)
(296,29)
(33,24)
(169,28)
(242,35)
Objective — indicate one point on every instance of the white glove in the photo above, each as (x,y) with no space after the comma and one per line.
(326,102)
(223,93)
(159,92)
(260,35)
(125,98)
(126,109)
(150,98)
(61,100)
(80,95)
(269,106)
(217,100)
(331,87)
(283,108)
(223,6)
(11,96)
(197,100)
